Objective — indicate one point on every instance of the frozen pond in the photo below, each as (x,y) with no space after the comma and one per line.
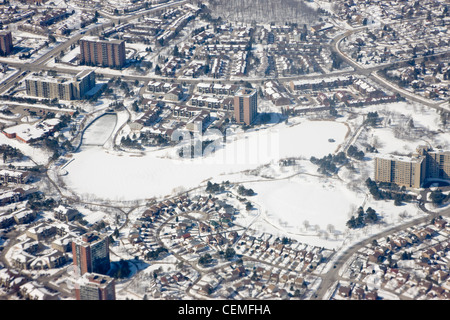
(99,132)
(100,173)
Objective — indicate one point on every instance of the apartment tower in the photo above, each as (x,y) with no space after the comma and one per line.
(403,171)
(59,87)
(411,172)
(6,45)
(103,53)
(91,253)
(245,105)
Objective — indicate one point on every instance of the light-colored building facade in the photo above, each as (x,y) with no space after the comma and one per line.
(59,87)
(438,163)
(94,286)
(403,171)
(412,171)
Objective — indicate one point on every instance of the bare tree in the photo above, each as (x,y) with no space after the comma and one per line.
(277,11)
(306,224)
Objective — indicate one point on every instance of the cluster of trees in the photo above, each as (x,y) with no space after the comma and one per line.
(205,259)
(245,192)
(284,240)
(328,164)
(228,254)
(355,153)
(116,105)
(336,60)
(198,148)
(154,254)
(10,152)
(406,255)
(197,31)
(362,218)
(372,119)
(278,11)
(25,55)
(388,191)
(29,100)
(286,162)
(125,87)
(149,139)
(130,143)
(437,197)
(64,120)
(37,202)
(54,146)
(214,187)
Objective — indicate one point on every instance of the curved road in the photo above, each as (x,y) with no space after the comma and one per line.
(332,276)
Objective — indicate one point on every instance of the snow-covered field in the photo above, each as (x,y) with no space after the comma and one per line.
(304,201)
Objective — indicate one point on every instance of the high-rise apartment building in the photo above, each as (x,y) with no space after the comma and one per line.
(403,171)
(6,45)
(438,163)
(245,105)
(94,286)
(61,87)
(413,171)
(91,253)
(104,53)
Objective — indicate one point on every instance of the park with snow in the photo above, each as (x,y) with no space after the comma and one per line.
(294,201)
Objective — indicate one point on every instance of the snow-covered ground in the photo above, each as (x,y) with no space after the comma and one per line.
(305,206)
(38,155)
(120,176)
(294,201)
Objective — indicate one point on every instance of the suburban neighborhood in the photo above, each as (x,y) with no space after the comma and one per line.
(224,150)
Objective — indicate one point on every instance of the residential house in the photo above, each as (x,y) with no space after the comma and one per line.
(14,176)
(24,216)
(65,213)
(41,231)
(344,291)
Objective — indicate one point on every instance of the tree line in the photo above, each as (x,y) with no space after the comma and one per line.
(388,191)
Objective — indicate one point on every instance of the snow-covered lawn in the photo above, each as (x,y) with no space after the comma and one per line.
(39,155)
(303,201)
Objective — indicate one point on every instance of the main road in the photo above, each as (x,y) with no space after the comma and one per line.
(371,72)
(332,276)
(39,63)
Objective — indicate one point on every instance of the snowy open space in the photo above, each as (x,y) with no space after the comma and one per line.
(120,176)
(315,201)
